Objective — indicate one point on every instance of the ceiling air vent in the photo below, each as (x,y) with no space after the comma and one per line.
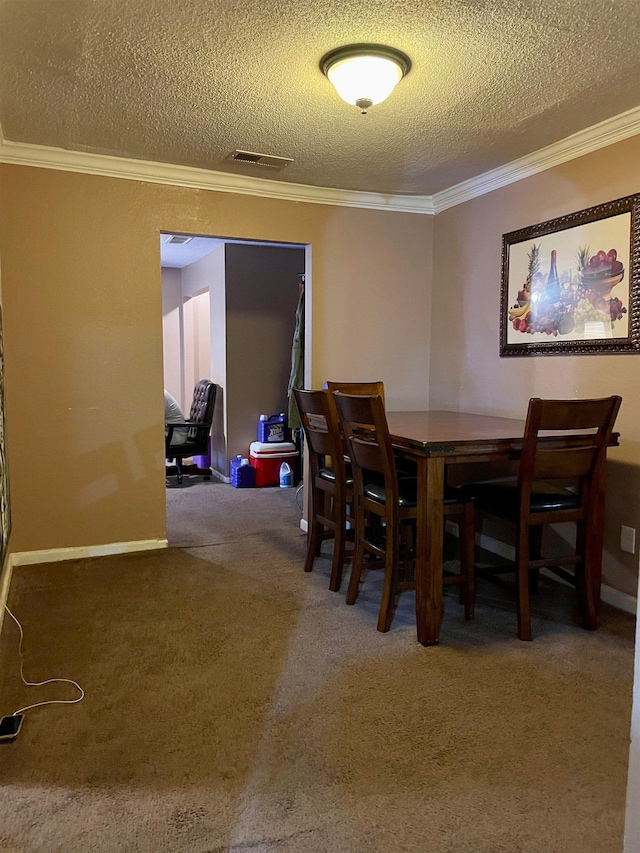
(180,239)
(255,159)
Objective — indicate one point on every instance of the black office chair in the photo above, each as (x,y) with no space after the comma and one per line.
(199,423)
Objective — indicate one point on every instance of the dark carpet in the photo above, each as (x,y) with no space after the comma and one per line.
(234,704)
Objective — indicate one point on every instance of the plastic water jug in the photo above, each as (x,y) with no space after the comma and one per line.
(286,476)
(241,473)
(272,428)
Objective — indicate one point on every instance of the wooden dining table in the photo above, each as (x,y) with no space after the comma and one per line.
(435,439)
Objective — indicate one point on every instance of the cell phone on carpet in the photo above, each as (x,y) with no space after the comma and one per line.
(10,726)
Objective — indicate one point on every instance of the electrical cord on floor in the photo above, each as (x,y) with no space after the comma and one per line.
(40,683)
(298,493)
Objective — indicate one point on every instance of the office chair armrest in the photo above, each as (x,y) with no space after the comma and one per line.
(169,428)
(198,425)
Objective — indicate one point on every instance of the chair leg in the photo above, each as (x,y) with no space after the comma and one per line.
(467,538)
(535,549)
(339,547)
(392,546)
(585,581)
(522,583)
(178,462)
(313,533)
(358,557)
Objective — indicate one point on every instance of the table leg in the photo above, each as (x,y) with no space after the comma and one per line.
(429,536)
(595,540)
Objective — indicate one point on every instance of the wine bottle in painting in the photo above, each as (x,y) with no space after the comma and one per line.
(553,290)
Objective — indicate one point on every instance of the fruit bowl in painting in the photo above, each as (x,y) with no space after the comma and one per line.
(602,280)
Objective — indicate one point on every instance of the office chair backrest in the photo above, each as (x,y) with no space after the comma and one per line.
(202,404)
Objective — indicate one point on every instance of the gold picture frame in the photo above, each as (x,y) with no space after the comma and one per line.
(572,285)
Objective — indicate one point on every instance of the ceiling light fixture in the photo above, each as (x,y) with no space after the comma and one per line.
(365,74)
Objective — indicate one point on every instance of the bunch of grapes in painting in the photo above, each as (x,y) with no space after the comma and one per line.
(616,309)
(598,274)
(554,305)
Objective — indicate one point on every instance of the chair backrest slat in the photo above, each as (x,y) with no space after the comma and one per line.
(365,389)
(364,424)
(320,424)
(359,389)
(575,415)
(563,464)
(590,421)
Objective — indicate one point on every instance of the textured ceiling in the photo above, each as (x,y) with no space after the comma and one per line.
(188,81)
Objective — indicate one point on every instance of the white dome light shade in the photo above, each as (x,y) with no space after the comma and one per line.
(364,75)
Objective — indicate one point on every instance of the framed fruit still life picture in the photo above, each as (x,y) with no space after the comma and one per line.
(572,285)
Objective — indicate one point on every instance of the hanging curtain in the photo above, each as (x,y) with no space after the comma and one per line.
(296,377)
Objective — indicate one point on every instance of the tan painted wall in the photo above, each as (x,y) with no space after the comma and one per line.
(186,330)
(83,313)
(467,373)
(218,368)
(197,344)
(262,295)
(172,333)
(196,282)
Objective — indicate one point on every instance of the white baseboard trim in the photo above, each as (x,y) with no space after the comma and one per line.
(5,582)
(56,555)
(495,546)
(620,600)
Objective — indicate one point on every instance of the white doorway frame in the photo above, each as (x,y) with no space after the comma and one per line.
(308,307)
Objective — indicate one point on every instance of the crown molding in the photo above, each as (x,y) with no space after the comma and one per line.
(584,142)
(40,156)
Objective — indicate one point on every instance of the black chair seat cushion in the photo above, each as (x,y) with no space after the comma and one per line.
(408,493)
(329,475)
(501,498)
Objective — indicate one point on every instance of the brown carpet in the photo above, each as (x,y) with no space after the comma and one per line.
(194,516)
(235,704)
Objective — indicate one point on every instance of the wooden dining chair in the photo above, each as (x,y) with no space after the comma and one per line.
(331,491)
(392,499)
(406,467)
(557,484)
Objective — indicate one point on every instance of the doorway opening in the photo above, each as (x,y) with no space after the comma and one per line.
(229,315)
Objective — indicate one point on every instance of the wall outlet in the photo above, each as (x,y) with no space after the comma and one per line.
(628,539)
